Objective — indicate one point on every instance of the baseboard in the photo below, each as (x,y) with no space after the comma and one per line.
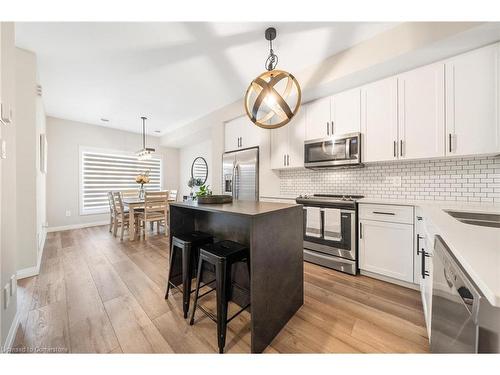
(390,280)
(76,226)
(9,341)
(35,270)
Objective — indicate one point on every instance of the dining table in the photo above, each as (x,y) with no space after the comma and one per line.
(133,204)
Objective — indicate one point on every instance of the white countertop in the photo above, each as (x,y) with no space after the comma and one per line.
(476,248)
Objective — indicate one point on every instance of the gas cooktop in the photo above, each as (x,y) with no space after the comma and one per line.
(328,200)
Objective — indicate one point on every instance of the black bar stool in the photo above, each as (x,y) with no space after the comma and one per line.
(188,243)
(222,255)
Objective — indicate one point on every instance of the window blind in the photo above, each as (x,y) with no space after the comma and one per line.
(103,172)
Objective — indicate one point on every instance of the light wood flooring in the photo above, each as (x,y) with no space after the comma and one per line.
(97,294)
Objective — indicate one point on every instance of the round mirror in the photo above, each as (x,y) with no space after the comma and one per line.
(199,170)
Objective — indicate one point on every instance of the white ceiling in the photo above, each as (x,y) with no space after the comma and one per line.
(173,73)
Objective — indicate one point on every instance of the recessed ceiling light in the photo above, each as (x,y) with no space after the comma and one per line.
(104,119)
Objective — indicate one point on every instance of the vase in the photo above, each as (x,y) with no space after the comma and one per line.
(141,192)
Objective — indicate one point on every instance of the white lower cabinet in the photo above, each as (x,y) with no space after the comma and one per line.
(386,249)
(386,244)
(424,239)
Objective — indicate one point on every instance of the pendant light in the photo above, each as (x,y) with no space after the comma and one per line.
(273,98)
(146,152)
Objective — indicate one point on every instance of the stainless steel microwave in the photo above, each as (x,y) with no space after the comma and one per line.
(335,151)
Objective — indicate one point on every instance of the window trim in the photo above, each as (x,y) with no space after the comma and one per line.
(106,151)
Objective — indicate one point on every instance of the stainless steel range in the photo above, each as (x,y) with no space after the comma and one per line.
(330,231)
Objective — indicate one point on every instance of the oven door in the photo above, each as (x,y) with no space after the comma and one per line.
(332,151)
(333,235)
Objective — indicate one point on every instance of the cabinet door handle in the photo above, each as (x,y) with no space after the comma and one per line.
(449,142)
(327,128)
(332,128)
(284,159)
(394,146)
(360,230)
(383,213)
(423,271)
(419,237)
(288,160)
(400,147)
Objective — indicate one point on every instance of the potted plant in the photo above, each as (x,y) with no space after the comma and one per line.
(204,191)
(192,183)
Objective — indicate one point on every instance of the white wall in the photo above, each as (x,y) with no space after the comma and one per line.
(26,160)
(187,155)
(64,140)
(8,188)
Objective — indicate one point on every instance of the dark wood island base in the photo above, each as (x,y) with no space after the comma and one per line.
(274,234)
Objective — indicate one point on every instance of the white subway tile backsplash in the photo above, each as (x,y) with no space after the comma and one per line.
(464,179)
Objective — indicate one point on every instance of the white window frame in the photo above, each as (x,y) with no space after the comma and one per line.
(112,152)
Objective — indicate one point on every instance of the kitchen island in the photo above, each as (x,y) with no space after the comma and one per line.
(274,234)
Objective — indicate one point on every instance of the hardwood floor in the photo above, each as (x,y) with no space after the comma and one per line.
(97,294)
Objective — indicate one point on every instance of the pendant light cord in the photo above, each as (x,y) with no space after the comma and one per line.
(272,59)
(143,132)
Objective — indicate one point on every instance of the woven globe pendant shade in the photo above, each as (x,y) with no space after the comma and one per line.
(272,99)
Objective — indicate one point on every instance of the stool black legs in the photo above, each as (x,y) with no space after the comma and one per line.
(222,255)
(188,245)
(197,290)
(223,282)
(186,280)
(170,269)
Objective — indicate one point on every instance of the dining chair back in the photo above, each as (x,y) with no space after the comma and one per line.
(129,193)
(173,195)
(118,203)
(155,208)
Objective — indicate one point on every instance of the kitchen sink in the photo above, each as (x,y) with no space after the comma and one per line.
(475,218)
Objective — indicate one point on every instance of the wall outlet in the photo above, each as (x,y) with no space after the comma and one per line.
(13,285)
(394,181)
(68,213)
(6,297)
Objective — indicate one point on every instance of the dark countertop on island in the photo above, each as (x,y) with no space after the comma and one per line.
(246,208)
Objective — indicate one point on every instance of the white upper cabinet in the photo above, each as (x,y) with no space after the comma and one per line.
(472,101)
(346,112)
(287,143)
(421,112)
(379,120)
(318,119)
(241,133)
(337,114)
(296,137)
(279,147)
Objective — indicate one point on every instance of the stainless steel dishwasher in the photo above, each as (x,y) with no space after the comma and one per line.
(455,305)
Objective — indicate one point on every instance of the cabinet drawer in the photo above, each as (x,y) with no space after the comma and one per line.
(386,212)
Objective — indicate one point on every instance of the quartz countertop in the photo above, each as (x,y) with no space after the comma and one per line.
(476,248)
(245,208)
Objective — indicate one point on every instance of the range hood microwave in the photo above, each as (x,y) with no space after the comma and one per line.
(342,151)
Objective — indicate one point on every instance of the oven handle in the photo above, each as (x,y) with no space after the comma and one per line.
(383,213)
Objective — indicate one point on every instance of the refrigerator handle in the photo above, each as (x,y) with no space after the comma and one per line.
(236,182)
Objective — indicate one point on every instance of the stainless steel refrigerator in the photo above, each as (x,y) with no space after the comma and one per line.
(240,174)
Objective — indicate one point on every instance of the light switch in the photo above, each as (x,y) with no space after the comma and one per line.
(3,149)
